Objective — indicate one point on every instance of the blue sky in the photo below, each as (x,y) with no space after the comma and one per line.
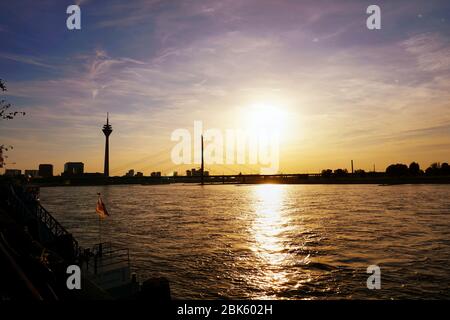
(375,96)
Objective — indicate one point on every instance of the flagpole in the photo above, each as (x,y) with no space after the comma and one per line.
(100,228)
(99,223)
(102,212)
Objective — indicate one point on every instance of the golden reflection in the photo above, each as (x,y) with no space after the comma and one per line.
(268,227)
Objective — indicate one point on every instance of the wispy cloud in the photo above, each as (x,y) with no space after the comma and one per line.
(25,59)
(431,50)
(119,14)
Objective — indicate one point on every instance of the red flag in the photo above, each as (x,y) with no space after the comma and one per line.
(101,208)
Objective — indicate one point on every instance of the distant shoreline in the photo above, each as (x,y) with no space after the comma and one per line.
(378,179)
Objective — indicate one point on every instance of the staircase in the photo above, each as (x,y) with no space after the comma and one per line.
(49,230)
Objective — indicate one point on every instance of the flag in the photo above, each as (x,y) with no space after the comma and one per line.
(101,208)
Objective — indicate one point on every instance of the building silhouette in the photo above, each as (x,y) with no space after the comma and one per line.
(197,172)
(73,168)
(13,172)
(31,173)
(107,130)
(45,170)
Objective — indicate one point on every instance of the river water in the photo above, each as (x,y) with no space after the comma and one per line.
(272,241)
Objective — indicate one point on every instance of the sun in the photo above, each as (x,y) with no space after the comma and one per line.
(265,116)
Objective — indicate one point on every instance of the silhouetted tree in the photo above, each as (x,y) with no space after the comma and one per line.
(445,168)
(433,169)
(438,169)
(340,172)
(5,114)
(4,106)
(435,165)
(398,169)
(327,173)
(360,173)
(414,168)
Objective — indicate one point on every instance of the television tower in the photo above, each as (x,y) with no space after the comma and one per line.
(107,130)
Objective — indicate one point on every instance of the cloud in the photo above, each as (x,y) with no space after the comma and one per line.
(120,14)
(431,50)
(27,59)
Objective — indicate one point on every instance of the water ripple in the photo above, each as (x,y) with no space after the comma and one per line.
(273,241)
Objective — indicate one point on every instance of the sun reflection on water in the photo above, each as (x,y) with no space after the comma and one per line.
(267,230)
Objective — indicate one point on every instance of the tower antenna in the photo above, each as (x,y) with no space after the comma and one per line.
(107,130)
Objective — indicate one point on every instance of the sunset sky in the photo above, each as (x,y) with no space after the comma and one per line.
(345,92)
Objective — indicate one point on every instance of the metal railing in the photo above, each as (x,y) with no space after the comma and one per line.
(105,256)
(29,207)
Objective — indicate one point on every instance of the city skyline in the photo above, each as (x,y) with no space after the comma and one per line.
(344,92)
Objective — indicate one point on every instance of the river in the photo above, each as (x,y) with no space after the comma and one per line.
(272,241)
